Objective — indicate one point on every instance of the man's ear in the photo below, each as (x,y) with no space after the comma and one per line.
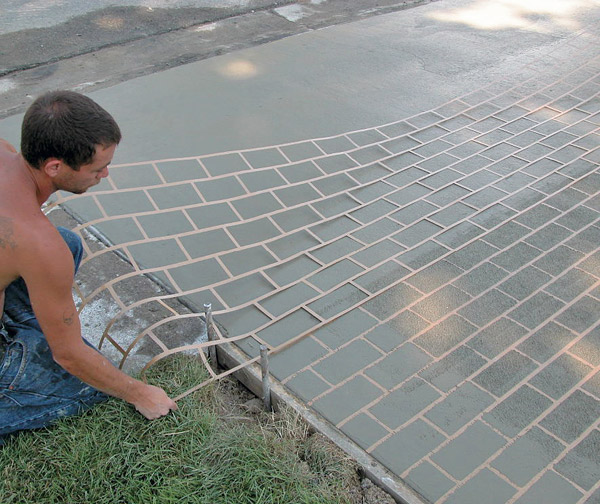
(51,167)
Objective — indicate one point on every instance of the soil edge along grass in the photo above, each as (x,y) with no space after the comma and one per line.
(202,453)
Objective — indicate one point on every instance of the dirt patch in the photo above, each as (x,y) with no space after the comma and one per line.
(238,404)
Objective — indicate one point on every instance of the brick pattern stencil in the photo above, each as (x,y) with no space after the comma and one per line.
(442,274)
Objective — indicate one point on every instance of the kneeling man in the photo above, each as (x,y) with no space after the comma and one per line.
(47,370)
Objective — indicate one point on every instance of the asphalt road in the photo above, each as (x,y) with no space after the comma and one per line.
(20,15)
(90,45)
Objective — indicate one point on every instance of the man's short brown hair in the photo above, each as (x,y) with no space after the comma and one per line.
(66,125)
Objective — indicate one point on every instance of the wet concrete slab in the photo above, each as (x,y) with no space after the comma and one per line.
(416,245)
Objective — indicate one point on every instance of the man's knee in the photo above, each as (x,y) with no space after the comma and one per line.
(33,411)
(73,241)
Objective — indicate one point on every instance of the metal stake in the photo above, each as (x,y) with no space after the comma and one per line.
(266,385)
(210,332)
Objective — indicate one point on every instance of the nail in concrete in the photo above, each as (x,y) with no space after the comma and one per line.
(266,385)
(210,332)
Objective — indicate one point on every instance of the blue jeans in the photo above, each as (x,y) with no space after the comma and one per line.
(35,390)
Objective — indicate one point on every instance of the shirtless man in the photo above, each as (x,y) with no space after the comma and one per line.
(47,370)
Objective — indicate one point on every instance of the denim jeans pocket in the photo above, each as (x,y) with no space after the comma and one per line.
(13,365)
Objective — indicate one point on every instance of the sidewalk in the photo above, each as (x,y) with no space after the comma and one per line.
(425,269)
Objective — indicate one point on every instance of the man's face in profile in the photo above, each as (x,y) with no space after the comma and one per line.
(88,175)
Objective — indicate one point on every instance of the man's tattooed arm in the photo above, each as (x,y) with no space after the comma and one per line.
(69,317)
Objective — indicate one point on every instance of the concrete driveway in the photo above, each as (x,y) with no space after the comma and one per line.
(405,210)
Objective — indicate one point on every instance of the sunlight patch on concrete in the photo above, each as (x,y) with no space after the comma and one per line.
(239,69)
(533,15)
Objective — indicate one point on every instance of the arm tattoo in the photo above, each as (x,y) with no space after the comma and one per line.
(68,317)
(6,233)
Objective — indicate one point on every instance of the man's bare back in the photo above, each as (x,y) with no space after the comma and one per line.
(9,180)
(20,214)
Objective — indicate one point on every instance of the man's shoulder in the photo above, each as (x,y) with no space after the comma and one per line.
(37,229)
(42,252)
(30,245)
(5,145)
(8,154)
(35,236)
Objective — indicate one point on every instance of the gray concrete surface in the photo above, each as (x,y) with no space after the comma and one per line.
(370,72)
(88,46)
(426,277)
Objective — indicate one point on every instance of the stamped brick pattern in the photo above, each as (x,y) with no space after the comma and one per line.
(438,277)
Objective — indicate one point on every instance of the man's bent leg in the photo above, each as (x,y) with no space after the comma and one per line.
(34,390)
(17,306)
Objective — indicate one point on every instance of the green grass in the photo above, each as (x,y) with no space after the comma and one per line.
(112,455)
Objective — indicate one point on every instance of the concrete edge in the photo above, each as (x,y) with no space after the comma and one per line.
(250,376)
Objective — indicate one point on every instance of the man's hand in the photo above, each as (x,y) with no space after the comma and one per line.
(154,402)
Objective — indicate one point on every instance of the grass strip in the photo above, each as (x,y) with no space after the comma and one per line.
(112,455)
